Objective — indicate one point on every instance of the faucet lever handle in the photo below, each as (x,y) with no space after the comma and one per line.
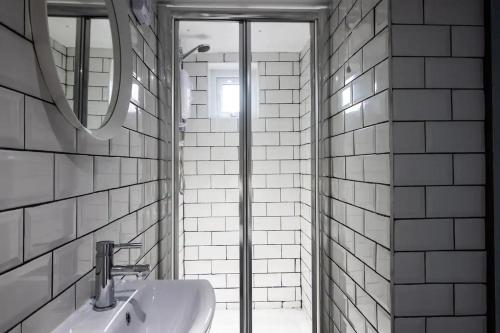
(128,246)
(137,270)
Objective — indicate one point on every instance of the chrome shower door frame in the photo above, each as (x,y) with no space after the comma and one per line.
(317,17)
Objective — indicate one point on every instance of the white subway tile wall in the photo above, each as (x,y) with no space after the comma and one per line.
(281,186)
(437,173)
(62,191)
(439,170)
(356,170)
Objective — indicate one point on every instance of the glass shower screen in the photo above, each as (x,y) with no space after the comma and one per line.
(209,234)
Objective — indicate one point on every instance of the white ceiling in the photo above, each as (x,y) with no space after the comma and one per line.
(63,30)
(224,36)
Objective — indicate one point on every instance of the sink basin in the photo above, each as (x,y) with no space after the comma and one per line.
(149,306)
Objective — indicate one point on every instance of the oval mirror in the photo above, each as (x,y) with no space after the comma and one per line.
(85,55)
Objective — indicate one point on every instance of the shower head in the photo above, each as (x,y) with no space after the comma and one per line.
(200,48)
(203,48)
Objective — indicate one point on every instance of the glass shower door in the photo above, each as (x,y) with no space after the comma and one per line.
(281,177)
(209,217)
(245,146)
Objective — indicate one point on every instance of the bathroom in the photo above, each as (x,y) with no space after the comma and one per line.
(274,166)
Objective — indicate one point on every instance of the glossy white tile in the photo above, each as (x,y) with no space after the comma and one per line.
(379,288)
(468,104)
(364,194)
(13,15)
(448,136)
(363,87)
(409,202)
(120,144)
(364,140)
(377,168)
(49,226)
(73,175)
(467,41)
(376,109)
(87,144)
(382,138)
(11,239)
(423,300)
(85,289)
(16,329)
(51,315)
(407,11)
(376,50)
(11,118)
(414,132)
(24,289)
(354,168)
(381,16)
(422,104)
(423,169)
(136,197)
(454,73)
(19,65)
(365,250)
(71,262)
(128,172)
(408,72)
(354,117)
(382,76)
(92,212)
(459,12)
(420,40)
(47,129)
(459,201)
(377,227)
(26,178)
(106,173)
(118,203)
(128,228)
(361,33)
(353,67)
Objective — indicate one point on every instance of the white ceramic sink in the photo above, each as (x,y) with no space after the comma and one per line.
(149,307)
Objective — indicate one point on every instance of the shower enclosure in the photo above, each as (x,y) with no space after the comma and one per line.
(246,166)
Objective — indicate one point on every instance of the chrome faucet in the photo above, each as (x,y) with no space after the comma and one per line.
(105,271)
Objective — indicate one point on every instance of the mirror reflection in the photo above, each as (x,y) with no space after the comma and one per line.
(82,48)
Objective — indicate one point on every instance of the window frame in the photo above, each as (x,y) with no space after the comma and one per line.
(228,71)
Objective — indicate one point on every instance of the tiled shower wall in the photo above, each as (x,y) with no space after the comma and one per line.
(276,183)
(61,190)
(439,166)
(211,197)
(356,170)
(209,207)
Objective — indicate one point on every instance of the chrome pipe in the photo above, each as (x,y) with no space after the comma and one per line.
(245,122)
(315,220)
(175,152)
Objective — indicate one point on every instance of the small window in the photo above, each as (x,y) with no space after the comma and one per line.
(228,95)
(224,90)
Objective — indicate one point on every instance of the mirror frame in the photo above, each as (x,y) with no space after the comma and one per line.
(118,14)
